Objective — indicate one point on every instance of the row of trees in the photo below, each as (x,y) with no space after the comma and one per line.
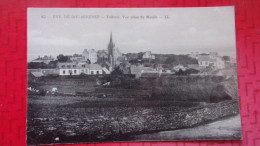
(41,65)
(169,59)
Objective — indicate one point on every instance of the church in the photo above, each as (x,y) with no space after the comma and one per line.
(113,54)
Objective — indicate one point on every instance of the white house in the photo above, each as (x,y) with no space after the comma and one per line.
(95,69)
(220,64)
(148,55)
(89,55)
(138,70)
(73,68)
(206,60)
(69,68)
(194,55)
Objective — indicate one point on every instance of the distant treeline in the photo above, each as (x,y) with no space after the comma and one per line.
(42,65)
(167,59)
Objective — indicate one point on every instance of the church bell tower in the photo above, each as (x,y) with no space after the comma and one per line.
(111,52)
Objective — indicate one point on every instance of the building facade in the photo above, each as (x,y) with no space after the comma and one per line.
(70,68)
(211,59)
(74,68)
(148,55)
(102,56)
(90,55)
(76,58)
(94,69)
(194,55)
(45,59)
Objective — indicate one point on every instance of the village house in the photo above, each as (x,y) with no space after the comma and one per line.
(194,66)
(76,58)
(74,68)
(102,56)
(205,60)
(45,72)
(138,70)
(220,64)
(213,60)
(194,55)
(45,59)
(148,55)
(71,68)
(179,67)
(94,69)
(36,74)
(90,55)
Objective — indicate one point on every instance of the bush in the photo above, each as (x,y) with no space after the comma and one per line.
(42,92)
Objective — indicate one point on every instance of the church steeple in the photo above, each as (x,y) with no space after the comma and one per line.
(111,39)
(111,52)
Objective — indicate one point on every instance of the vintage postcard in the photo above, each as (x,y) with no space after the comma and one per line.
(131,74)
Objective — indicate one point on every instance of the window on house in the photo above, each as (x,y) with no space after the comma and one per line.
(97,72)
(74,65)
(75,71)
(68,66)
(92,72)
(64,72)
(83,66)
(63,66)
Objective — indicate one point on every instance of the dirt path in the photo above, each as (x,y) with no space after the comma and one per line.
(224,129)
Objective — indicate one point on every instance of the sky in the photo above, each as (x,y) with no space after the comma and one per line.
(54,31)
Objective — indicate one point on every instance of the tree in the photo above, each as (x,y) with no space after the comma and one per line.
(52,64)
(117,71)
(226,58)
(180,72)
(140,55)
(37,65)
(171,59)
(192,71)
(62,58)
(136,61)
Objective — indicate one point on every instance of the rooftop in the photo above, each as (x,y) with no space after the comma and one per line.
(205,57)
(87,51)
(138,69)
(94,67)
(37,74)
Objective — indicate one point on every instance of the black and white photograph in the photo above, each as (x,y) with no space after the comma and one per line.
(131,74)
